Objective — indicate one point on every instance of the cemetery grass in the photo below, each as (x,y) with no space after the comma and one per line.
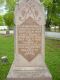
(6,49)
(52,56)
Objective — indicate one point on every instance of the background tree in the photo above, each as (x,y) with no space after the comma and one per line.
(48,7)
(53,12)
(9,19)
(1,21)
(56,12)
(10,5)
(1,2)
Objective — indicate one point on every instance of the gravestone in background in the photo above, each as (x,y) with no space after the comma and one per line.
(29,62)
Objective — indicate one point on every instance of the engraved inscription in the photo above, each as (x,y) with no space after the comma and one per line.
(29,39)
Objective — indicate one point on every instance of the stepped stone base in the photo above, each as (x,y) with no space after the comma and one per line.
(29,73)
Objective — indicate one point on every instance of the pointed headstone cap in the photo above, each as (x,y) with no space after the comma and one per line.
(28,0)
(38,1)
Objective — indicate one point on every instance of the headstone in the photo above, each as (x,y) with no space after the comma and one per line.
(29,62)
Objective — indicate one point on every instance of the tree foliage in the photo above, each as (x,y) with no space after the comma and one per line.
(47,3)
(53,12)
(1,2)
(1,20)
(9,16)
(56,12)
(10,4)
(9,19)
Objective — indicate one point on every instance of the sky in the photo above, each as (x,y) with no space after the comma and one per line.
(2,10)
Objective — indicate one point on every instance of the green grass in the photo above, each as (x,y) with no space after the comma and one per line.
(6,49)
(52,56)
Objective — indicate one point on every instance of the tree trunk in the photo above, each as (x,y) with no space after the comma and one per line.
(59,28)
(48,21)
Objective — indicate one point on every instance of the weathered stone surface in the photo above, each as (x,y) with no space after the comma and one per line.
(29,73)
(29,62)
(29,39)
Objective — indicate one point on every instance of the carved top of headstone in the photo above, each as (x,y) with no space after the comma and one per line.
(29,8)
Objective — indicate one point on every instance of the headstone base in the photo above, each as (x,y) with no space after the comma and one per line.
(40,73)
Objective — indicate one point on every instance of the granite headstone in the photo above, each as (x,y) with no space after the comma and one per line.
(29,62)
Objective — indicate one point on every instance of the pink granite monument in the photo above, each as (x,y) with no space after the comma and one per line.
(29,62)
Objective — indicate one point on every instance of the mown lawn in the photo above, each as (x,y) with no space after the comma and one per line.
(6,49)
(52,56)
